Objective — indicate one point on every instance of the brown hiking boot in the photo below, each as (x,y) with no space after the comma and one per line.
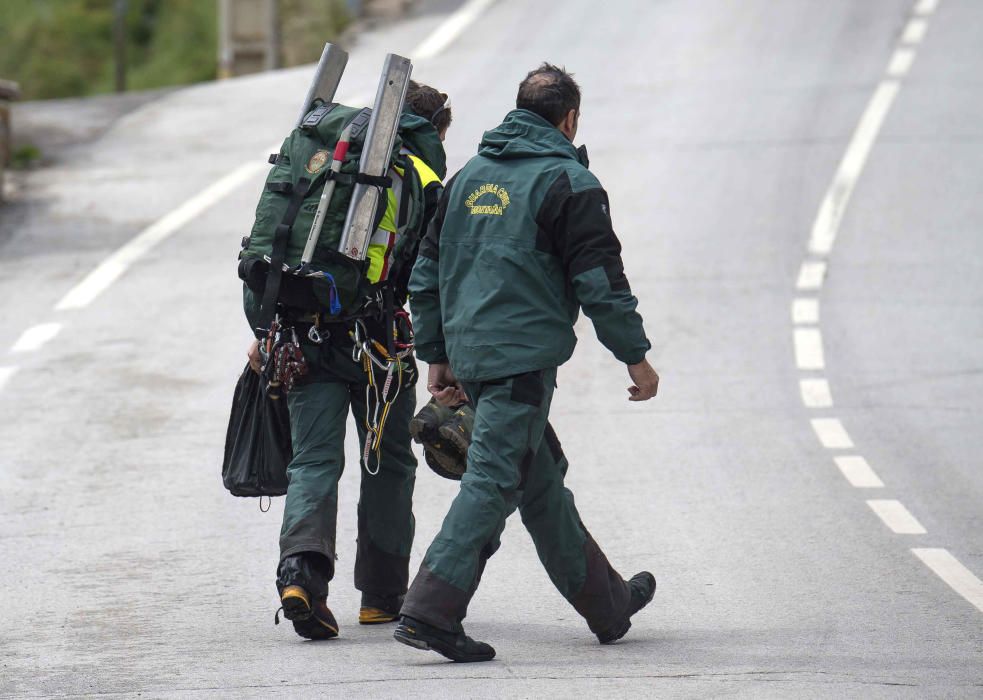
(310,620)
(378,610)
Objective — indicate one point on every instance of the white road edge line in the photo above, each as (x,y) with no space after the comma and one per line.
(858,472)
(831,433)
(901,61)
(926,7)
(113,267)
(35,337)
(898,518)
(5,374)
(830,215)
(451,28)
(951,570)
(809,348)
(811,275)
(805,310)
(815,393)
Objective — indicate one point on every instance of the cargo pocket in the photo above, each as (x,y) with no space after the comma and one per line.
(528,388)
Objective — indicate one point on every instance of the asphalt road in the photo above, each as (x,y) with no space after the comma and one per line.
(717,128)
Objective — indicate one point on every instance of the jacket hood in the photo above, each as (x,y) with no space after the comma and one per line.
(525,134)
(422,139)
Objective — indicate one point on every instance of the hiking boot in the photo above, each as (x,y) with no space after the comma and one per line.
(444,459)
(642,586)
(424,426)
(457,647)
(378,610)
(296,603)
(457,429)
(310,620)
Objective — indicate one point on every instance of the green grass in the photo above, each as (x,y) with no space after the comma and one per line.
(63,48)
(25,157)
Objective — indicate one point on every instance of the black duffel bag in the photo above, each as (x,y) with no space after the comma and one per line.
(257,443)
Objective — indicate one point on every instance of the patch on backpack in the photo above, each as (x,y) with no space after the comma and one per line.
(316,162)
(487,207)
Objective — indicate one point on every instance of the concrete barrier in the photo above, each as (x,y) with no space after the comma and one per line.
(9,91)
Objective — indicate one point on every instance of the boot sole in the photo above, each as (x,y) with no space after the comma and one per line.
(455,438)
(374,616)
(296,608)
(617,635)
(314,629)
(439,647)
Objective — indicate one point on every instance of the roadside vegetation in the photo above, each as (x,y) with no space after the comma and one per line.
(64,48)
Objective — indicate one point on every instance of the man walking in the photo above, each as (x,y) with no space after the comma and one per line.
(521,241)
(336,385)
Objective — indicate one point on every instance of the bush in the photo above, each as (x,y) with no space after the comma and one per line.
(64,48)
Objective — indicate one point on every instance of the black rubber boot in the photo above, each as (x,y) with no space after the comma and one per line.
(642,587)
(378,610)
(456,647)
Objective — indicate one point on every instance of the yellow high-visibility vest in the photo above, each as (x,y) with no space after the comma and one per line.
(385,238)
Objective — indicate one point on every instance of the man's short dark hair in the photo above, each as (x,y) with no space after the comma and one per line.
(550,92)
(425,101)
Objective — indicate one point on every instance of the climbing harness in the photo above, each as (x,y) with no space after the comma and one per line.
(373,355)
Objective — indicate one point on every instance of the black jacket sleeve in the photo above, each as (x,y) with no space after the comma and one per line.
(579,230)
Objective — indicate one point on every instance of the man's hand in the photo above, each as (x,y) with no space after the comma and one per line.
(443,385)
(255,361)
(646,381)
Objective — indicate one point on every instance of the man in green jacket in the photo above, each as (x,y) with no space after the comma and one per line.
(522,240)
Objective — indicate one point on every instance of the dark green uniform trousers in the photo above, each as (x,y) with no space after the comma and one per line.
(514,461)
(318,415)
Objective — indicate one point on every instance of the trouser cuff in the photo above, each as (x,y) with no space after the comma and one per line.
(380,573)
(310,570)
(436,602)
(603,601)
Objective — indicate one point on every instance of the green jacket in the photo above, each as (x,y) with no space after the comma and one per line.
(522,239)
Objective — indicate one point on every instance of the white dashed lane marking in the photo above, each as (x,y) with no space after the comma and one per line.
(805,310)
(809,348)
(831,433)
(858,472)
(896,517)
(950,570)
(811,276)
(815,393)
(901,61)
(35,337)
(5,374)
(914,31)
(926,7)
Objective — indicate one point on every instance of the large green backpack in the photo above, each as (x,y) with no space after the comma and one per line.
(289,201)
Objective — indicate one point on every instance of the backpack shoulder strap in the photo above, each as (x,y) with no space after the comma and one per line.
(280,237)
